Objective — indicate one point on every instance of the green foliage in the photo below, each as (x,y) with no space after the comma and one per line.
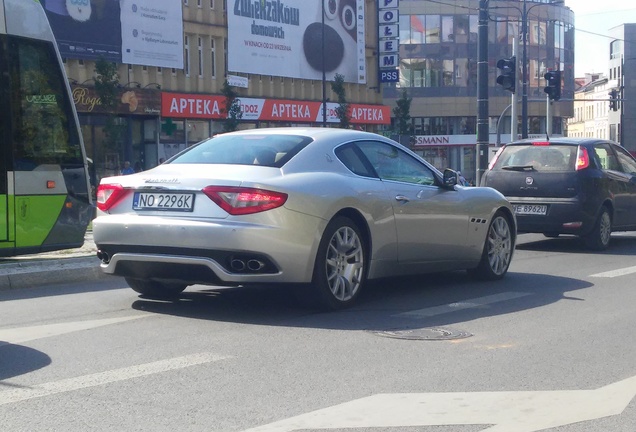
(231,108)
(108,89)
(342,111)
(402,114)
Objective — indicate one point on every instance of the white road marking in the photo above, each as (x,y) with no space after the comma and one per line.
(505,411)
(616,273)
(102,378)
(25,334)
(452,307)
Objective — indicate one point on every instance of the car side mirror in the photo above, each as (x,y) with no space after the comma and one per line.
(450,178)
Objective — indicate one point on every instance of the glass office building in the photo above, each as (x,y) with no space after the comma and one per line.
(438,68)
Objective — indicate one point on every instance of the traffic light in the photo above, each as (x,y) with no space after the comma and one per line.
(508,77)
(553,81)
(613,94)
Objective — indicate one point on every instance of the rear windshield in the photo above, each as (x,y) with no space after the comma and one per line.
(537,158)
(252,149)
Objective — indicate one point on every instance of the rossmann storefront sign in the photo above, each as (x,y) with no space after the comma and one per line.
(194,106)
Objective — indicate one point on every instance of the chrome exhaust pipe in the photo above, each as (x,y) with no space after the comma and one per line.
(255,265)
(237,265)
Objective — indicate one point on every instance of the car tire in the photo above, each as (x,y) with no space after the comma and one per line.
(154,289)
(341,265)
(599,238)
(498,250)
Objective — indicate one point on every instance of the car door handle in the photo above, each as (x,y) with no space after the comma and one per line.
(401,198)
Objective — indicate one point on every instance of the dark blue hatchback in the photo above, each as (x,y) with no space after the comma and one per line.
(584,187)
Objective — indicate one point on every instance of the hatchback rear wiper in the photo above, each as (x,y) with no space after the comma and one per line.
(518,167)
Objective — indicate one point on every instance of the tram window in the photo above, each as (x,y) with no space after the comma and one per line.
(43,130)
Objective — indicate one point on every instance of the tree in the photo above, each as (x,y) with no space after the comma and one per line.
(342,111)
(402,114)
(231,108)
(107,88)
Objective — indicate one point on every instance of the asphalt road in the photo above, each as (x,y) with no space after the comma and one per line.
(551,347)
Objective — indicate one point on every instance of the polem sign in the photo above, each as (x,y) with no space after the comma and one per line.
(388,40)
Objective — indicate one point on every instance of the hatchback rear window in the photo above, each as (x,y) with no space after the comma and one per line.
(537,158)
(252,149)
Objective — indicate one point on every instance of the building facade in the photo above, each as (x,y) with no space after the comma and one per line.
(167,101)
(438,68)
(591,110)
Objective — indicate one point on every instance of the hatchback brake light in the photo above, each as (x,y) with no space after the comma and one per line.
(582,159)
(540,143)
(108,195)
(242,201)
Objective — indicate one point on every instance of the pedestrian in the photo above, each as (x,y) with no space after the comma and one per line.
(462,179)
(127,169)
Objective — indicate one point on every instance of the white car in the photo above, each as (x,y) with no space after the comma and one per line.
(323,209)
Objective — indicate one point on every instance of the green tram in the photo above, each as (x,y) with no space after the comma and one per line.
(45,197)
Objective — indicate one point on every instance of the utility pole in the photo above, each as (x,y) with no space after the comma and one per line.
(483,135)
(524,72)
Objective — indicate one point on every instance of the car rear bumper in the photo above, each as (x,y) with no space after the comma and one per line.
(562,217)
(204,252)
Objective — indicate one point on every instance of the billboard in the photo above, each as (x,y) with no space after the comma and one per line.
(285,38)
(123,31)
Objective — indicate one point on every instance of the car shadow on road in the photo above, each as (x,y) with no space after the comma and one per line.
(385,304)
(619,245)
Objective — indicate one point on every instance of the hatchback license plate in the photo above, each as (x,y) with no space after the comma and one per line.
(528,209)
(163,201)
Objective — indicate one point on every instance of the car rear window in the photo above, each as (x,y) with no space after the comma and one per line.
(537,157)
(252,149)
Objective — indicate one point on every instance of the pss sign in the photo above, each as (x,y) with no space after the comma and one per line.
(389,76)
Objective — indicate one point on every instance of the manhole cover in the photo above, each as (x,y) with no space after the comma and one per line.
(433,333)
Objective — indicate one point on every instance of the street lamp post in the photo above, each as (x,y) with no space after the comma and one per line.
(324,77)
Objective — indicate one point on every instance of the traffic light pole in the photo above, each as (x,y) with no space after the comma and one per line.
(513,103)
(524,72)
(483,135)
(548,116)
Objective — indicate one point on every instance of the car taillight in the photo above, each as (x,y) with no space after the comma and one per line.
(582,159)
(108,195)
(242,201)
(540,143)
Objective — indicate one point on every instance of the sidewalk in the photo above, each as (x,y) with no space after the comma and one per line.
(65,266)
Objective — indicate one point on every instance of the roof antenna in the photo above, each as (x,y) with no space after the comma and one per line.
(547,137)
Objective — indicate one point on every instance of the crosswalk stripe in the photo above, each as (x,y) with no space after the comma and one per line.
(615,273)
(101,378)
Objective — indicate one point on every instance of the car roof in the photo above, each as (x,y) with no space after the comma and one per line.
(313,132)
(563,141)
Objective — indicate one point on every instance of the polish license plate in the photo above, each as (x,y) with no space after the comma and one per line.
(163,201)
(530,209)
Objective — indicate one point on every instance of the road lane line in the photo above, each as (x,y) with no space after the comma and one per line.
(616,273)
(467,304)
(108,377)
(25,334)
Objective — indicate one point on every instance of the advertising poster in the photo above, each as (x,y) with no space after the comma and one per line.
(143,32)
(152,33)
(285,38)
(86,29)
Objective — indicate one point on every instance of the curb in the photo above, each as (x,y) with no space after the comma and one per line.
(56,271)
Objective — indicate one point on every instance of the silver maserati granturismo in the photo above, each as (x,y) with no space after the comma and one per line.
(322,210)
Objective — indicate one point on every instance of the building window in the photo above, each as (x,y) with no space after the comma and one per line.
(199,4)
(186,66)
(185,2)
(200,55)
(212,58)
(211,4)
